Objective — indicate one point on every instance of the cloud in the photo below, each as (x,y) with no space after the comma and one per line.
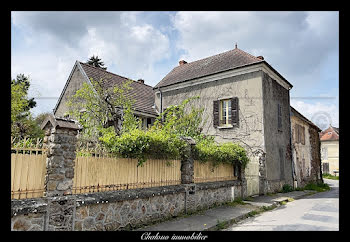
(46,45)
(294,43)
(148,45)
(320,113)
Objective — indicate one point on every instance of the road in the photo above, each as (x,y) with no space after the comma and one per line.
(315,212)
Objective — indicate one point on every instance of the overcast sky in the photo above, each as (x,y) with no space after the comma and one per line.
(302,46)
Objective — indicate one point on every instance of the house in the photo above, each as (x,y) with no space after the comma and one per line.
(330,150)
(245,100)
(141,93)
(306,150)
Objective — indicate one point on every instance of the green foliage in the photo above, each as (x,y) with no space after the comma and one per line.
(319,187)
(329,176)
(221,224)
(237,201)
(95,107)
(182,120)
(208,150)
(23,125)
(287,188)
(163,139)
(96,62)
(143,144)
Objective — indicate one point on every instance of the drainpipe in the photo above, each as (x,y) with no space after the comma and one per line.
(161,103)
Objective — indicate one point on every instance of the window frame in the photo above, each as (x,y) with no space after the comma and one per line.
(228,108)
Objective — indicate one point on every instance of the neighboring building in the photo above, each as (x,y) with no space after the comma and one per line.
(245,100)
(141,93)
(306,150)
(330,150)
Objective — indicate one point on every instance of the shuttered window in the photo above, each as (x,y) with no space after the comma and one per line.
(225,112)
(279,116)
(281,163)
(299,131)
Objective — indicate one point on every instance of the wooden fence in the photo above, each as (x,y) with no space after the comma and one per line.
(96,172)
(206,172)
(28,168)
(103,173)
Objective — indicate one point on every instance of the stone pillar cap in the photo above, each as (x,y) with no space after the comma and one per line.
(61,123)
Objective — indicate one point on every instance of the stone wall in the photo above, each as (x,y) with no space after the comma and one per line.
(278,166)
(120,210)
(306,155)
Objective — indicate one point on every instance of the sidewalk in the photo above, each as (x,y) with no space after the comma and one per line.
(212,219)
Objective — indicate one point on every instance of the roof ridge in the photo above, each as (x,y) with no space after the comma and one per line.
(225,52)
(100,69)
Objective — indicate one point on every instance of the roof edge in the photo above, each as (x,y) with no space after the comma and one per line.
(65,87)
(237,67)
(305,119)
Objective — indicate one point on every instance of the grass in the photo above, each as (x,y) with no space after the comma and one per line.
(318,187)
(329,176)
(287,188)
(236,202)
(221,224)
(248,199)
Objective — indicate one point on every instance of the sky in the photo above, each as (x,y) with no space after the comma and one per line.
(302,46)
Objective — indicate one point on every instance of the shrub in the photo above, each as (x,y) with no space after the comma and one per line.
(287,188)
(163,139)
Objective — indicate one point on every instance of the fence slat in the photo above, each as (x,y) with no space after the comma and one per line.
(206,172)
(28,166)
(110,173)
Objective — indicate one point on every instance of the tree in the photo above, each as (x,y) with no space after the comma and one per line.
(97,108)
(21,120)
(96,62)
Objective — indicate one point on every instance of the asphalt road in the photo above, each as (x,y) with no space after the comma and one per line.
(312,213)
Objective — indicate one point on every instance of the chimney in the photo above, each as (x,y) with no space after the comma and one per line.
(260,57)
(141,81)
(182,62)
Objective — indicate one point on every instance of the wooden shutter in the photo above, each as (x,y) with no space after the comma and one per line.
(216,113)
(279,116)
(303,135)
(281,164)
(234,111)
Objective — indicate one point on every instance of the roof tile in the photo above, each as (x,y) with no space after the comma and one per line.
(221,62)
(141,93)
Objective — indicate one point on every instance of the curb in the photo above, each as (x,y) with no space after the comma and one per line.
(259,209)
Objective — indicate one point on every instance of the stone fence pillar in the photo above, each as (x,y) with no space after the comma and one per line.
(60,140)
(187,167)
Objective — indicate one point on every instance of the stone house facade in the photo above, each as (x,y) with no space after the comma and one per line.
(330,150)
(141,93)
(306,150)
(245,100)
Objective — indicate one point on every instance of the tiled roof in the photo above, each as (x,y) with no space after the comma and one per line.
(331,133)
(141,93)
(214,64)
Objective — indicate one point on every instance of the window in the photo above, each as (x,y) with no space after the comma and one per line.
(281,164)
(279,116)
(146,123)
(324,153)
(225,113)
(299,132)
